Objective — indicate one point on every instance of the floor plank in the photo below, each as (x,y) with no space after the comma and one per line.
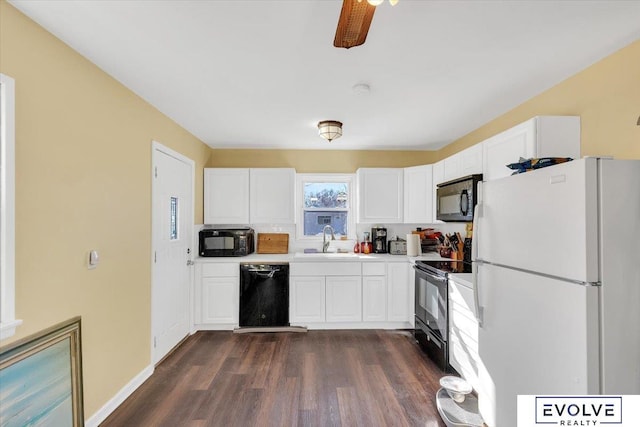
(318,378)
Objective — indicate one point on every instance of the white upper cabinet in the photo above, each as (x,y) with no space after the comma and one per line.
(438,178)
(471,160)
(380,195)
(542,136)
(249,196)
(463,163)
(272,194)
(418,195)
(226,196)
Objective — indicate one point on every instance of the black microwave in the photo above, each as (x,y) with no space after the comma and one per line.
(226,241)
(456,199)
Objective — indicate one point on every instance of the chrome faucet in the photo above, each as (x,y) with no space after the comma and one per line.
(325,243)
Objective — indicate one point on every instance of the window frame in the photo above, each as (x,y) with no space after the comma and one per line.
(8,322)
(303,178)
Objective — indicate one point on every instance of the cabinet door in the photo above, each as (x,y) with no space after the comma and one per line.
(399,296)
(226,196)
(452,167)
(344,298)
(471,160)
(374,298)
(220,300)
(418,195)
(438,178)
(272,193)
(307,299)
(506,148)
(380,195)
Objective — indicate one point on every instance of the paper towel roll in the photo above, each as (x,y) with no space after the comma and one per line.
(413,245)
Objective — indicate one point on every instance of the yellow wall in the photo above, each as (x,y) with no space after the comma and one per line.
(318,161)
(606,96)
(83,181)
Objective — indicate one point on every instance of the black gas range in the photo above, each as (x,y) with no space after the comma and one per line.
(432,307)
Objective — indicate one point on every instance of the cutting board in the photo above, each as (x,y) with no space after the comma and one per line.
(273,243)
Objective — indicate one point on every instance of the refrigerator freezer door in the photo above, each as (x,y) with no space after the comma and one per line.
(544,221)
(620,275)
(539,337)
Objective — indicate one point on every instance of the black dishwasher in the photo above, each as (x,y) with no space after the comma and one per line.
(264,295)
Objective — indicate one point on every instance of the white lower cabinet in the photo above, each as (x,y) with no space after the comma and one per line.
(307,299)
(374,292)
(220,300)
(343,298)
(399,296)
(330,295)
(463,333)
(216,302)
(374,298)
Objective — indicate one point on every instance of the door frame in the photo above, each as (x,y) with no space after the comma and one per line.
(156,148)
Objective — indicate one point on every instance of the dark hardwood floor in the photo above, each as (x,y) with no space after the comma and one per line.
(318,378)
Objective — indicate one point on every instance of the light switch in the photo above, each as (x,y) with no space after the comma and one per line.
(94,259)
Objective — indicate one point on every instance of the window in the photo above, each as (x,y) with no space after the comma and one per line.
(8,323)
(173,219)
(325,199)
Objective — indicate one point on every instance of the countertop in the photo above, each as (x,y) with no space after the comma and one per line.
(320,257)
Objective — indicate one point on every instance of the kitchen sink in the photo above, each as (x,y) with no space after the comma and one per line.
(327,255)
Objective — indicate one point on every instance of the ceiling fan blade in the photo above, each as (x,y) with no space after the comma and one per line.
(354,22)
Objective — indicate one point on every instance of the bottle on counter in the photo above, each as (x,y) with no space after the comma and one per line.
(367,246)
(356,247)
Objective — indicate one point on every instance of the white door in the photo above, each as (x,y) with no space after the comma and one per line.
(344,298)
(307,300)
(374,298)
(272,192)
(543,221)
(172,235)
(399,296)
(380,195)
(418,195)
(539,336)
(226,196)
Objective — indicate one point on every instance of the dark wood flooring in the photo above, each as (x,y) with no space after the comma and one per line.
(318,378)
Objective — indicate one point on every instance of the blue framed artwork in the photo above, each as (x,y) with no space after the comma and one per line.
(41,378)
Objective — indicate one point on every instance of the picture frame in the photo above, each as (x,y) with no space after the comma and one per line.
(41,378)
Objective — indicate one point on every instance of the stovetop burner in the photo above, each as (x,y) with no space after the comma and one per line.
(442,268)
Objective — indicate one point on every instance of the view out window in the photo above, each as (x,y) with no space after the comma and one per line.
(326,200)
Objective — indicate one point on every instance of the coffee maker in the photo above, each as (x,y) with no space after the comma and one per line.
(379,240)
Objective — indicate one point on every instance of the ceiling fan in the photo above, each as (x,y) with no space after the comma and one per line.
(354,22)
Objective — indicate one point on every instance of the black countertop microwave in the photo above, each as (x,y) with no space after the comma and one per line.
(456,199)
(226,241)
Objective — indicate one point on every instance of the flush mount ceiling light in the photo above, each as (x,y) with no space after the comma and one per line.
(355,19)
(330,129)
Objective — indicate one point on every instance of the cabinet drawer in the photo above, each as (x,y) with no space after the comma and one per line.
(221,269)
(324,269)
(374,269)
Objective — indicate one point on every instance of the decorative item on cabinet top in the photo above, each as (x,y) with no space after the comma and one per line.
(273,243)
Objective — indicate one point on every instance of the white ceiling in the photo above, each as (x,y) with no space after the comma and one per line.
(261,73)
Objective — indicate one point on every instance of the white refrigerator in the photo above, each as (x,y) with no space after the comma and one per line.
(557,284)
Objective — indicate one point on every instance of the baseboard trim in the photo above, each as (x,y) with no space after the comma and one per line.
(120,397)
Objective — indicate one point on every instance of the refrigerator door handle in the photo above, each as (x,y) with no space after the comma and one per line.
(476,294)
(474,266)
